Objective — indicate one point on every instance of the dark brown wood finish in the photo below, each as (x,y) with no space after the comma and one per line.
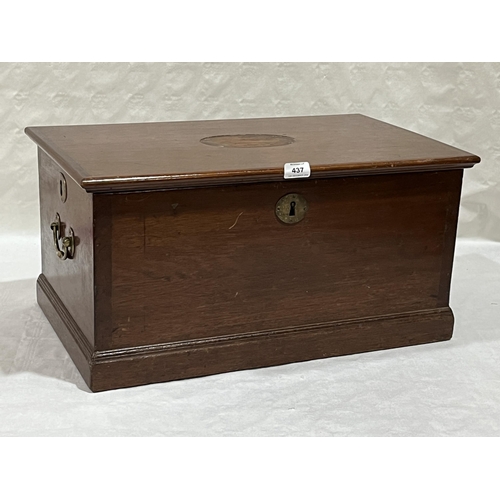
(204,263)
(449,238)
(135,366)
(72,280)
(117,368)
(184,281)
(103,254)
(136,157)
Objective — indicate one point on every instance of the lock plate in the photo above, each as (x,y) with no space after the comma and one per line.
(291,208)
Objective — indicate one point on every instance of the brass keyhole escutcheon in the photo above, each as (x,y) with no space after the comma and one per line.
(291,208)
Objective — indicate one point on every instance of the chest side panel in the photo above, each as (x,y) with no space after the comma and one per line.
(71,279)
(202,263)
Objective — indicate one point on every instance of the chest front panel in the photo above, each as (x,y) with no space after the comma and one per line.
(200,263)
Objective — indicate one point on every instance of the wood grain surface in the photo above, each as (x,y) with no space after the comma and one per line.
(128,157)
(111,370)
(205,263)
(202,281)
(118,368)
(72,279)
(182,268)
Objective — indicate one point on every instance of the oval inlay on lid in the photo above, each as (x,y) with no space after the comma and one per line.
(247,141)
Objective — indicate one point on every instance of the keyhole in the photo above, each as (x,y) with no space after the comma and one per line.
(63,189)
(291,208)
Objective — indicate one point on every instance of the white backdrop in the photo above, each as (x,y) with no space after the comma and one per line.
(455,103)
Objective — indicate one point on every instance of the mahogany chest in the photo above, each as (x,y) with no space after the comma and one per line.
(182,249)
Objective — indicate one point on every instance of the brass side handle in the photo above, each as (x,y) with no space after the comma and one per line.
(68,242)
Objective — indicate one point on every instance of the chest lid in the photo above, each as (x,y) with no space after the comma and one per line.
(139,156)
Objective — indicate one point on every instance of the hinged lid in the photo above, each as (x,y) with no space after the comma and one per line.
(139,156)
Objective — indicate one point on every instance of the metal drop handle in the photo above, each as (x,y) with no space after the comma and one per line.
(68,242)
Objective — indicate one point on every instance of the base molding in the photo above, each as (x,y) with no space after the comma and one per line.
(69,333)
(117,368)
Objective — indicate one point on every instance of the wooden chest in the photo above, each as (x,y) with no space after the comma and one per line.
(175,250)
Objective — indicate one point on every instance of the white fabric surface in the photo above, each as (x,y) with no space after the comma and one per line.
(451,388)
(444,389)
